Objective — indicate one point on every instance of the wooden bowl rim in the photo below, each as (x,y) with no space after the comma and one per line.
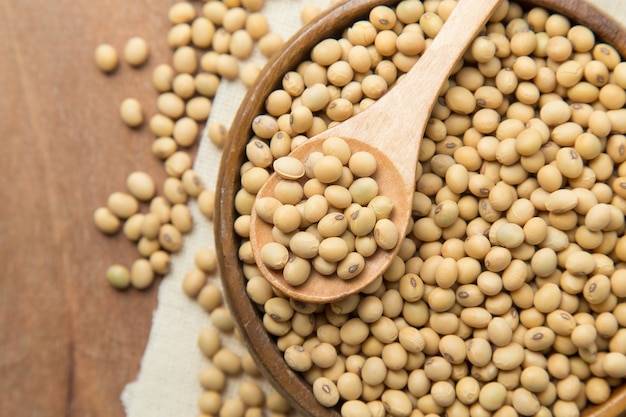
(260,343)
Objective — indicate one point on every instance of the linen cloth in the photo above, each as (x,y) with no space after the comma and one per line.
(167,384)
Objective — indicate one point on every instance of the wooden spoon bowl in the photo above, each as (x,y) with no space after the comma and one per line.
(247,317)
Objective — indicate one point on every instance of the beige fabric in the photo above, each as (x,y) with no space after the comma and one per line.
(614,8)
(167,384)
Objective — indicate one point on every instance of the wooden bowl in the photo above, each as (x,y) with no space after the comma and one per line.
(261,344)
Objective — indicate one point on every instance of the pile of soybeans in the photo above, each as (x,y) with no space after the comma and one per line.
(508,294)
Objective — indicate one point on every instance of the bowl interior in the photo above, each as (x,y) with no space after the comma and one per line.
(261,344)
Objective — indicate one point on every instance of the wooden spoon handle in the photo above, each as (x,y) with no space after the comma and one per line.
(404,110)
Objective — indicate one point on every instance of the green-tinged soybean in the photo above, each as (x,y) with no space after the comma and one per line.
(118,276)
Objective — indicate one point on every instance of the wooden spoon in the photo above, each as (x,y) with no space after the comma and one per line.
(392,130)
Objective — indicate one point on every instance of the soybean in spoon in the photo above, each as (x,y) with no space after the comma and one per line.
(391,130)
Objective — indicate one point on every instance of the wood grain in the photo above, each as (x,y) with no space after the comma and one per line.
(68,342)
(261,345)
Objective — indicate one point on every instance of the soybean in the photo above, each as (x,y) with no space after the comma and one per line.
(136,51)
(106,57)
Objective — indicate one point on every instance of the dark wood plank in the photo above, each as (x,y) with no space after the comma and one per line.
(68,342)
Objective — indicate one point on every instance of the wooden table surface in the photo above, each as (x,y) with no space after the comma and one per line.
(68,341)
